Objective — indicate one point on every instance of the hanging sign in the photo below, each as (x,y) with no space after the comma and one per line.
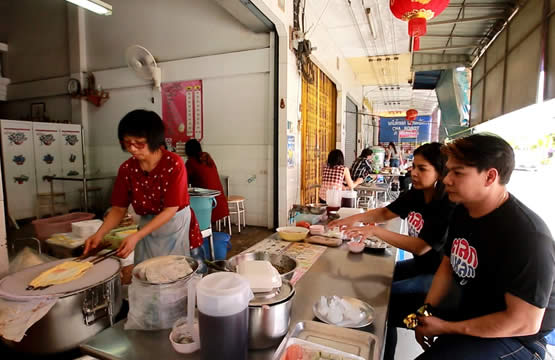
(182,110)
(395,128)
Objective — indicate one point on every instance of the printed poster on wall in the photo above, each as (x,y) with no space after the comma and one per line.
(182,110)
(290,151)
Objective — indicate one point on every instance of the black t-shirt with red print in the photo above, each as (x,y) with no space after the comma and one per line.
(509,250)
(428,222)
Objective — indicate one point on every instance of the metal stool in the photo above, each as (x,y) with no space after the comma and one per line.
(238,203)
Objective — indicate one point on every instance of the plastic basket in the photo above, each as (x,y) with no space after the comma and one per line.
(58,224)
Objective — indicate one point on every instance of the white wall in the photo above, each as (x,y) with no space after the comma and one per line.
(327,56)
(169,29)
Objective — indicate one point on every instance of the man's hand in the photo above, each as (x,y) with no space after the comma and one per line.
(360,231)
(424,341)
(92,242)
(128,245)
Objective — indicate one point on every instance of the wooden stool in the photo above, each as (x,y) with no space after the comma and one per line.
(226,220)
(237,207)
(44,201)
(95,191)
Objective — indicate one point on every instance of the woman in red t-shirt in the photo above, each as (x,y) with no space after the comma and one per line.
(154,181)
(203,173)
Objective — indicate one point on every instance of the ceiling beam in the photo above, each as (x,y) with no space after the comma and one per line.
(457,47)
(439,66)
(455,36)
(458,21)
(481,5)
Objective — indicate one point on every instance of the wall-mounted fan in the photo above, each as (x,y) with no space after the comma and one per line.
(143,63)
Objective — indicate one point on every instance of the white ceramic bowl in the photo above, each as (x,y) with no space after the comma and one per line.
(184,348)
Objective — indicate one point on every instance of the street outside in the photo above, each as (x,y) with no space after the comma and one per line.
(537,191)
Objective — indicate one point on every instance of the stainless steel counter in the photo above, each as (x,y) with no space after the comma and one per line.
(365,276)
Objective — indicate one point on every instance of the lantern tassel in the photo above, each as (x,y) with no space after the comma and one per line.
(416,44)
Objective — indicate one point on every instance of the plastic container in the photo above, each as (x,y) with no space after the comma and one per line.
(58,224)
(202,206)
(222,300)
(86,228)
(65,245)
(333,198)
(221,245)
(348,199)
(356,246)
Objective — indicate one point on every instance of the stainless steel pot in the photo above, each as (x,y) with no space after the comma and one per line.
(74,318)
(269,317)
(285,263)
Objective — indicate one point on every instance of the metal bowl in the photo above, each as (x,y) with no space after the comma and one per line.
(316,209)
(286,265)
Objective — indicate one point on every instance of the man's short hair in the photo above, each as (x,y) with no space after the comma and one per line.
(484,151)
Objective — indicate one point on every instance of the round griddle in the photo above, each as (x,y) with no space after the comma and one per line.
(16,284)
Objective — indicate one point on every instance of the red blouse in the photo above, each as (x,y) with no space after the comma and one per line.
(149,193)
(207,177)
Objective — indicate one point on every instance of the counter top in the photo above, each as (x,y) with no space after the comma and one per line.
(365,276)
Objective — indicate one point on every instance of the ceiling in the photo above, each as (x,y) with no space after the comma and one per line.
(379,53)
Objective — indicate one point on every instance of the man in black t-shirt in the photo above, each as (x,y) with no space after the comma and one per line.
(499,257)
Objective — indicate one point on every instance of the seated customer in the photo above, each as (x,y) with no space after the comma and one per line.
(499,258)
(363,166)
(427,211)
(335,174)
(203,173)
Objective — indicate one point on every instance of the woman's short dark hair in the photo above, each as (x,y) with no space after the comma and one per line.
(391,143)
(142,124)
(193,148)
(484,151)
(335,157)
(433,154)
(366,152)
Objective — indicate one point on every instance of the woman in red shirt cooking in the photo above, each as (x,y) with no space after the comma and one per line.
(154,181)
(203,173)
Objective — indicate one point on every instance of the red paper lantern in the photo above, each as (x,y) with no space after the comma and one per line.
(417,12)
(411,115)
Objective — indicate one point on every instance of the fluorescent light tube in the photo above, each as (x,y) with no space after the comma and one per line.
(95,6)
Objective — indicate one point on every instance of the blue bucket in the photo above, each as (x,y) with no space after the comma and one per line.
(202,206)
(221,245)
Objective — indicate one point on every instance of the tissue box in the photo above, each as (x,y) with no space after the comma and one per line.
(85,228)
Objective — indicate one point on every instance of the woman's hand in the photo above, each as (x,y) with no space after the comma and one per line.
(128,245)
(360,231)
(92,242)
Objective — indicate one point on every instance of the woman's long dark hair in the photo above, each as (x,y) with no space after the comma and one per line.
(391,143)
(433,154)
(335,157)
(194,150)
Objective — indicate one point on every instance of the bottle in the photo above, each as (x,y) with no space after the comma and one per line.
(223,303)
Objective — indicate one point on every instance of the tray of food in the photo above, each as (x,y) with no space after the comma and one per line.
(323,341)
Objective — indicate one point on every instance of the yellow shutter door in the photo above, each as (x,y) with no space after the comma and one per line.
(318,102)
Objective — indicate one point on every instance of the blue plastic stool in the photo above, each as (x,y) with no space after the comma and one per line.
(221,245)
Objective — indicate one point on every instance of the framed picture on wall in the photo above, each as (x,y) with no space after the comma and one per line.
(37,111)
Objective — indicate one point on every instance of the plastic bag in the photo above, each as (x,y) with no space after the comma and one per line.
(26,258)
(156,307)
